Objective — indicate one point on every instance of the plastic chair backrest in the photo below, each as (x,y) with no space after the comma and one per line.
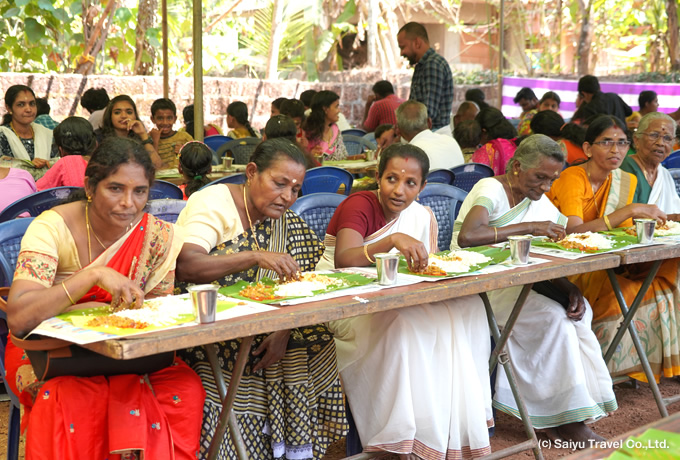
(11,233)
(445,201)
(370,137)
(675,173)
(241,149)
(37,202)
(355,145)
(354,132)
(440,176)
(672,161)
(216,141)
(317,209)
(239,178)
(467,175)
(326,179)
(167,210)
(163,189)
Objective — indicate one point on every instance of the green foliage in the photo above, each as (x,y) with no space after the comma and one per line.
(477,77)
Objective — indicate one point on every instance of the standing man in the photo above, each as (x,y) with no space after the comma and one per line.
(432,82)
(381,106)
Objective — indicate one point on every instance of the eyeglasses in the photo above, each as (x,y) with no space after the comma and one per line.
(609,142)
(655,137)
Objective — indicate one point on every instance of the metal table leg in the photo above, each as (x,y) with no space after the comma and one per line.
(626,324)
(227,416)
(499,356)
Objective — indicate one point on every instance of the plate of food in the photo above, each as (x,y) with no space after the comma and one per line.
(155,314)
(309,284)
(670,228)
(458,262)
(587,242)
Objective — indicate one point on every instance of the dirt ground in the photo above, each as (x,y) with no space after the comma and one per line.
(636,408)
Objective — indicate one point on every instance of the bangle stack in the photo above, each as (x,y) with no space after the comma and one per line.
(607,223)
(68,294)
(366,254)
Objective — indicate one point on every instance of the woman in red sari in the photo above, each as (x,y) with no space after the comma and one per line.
(101,248)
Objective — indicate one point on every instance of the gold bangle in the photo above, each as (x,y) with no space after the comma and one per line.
(607,223)
(495,235)
(366,254)
(67,293)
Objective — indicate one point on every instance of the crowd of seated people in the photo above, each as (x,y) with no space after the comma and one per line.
(416,379)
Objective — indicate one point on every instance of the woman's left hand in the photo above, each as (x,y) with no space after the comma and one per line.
(274,347)
(40,163)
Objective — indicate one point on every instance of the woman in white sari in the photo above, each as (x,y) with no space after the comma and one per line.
(416,378)
(20,137)
(559,366)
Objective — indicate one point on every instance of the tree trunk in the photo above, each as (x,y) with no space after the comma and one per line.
(583,48)
(275,40)
(146,19)
(94,34)
(673,51)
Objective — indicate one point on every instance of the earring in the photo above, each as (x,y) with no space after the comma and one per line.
(89,199)
(515,173)
(248,182)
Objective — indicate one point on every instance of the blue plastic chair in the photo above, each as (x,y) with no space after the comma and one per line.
(317,209)
(441,176)
(467,175)
(216,141)
(370,137)
(241,149)
(675,173)
(445,201)
(163,189)
(233,179)
(326,179)
(10,242)
(356,145)
(354,132)
(36,203)
(672,161)
(167,210)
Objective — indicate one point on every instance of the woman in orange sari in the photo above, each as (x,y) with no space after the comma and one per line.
(101,249)
(597,196)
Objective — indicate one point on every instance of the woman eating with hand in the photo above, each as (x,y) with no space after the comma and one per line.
(416,378)
(121,119)
(19,136)
(558,365)
(289,401)
(101,249)
(598,196)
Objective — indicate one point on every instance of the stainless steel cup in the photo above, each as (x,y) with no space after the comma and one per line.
(519,249)
(204,298)
(645,230)
(387,265)
(226,162)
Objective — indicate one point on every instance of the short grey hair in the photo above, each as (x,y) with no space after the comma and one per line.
(412,117)
(649,118)
(535,148)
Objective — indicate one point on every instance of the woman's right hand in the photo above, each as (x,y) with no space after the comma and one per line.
(124,292)
(280,262)
(648,211)
(550,229)
(40,163)
(413,251)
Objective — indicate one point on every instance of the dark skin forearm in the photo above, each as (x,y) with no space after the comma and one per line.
(196,266)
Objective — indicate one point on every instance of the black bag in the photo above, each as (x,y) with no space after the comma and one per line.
(56,358)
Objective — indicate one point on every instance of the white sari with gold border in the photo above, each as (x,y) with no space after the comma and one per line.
(558,362)
(417,378)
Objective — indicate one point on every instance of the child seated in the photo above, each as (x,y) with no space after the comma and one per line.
(166,140)
(195,163)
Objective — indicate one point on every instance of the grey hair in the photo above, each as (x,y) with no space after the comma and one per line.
(535,148)
(412,117)
(649,118)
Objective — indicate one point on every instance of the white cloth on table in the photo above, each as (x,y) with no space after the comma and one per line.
(417,378)
(558,363)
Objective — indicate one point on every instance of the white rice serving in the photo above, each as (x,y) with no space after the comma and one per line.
(590,239)
(458,261)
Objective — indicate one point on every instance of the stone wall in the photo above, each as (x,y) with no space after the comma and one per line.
(64,91)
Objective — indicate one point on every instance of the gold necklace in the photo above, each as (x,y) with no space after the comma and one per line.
(512,193)
(87,225)
(651,177)
(245,203)
(11,125)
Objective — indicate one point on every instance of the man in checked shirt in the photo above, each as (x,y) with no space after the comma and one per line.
(432,82)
